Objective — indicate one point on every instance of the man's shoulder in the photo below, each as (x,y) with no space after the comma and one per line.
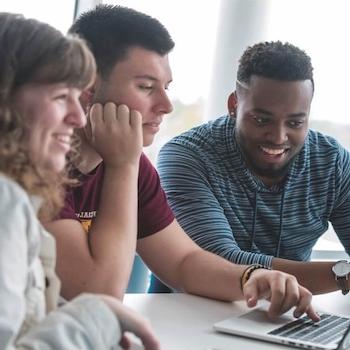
(207,135)
(325,153)
(321,143)
(148,175)
(145,164)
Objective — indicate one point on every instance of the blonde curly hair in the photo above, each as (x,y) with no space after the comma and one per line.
(34,52)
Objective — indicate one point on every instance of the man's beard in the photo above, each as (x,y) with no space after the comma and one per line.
(268,171)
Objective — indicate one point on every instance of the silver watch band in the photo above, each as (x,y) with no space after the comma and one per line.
(343,284)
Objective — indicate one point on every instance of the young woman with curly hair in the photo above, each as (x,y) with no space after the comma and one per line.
(42,74)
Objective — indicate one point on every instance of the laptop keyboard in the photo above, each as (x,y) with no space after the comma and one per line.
(328,330)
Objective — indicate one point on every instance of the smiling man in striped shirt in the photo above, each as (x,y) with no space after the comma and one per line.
(257,185)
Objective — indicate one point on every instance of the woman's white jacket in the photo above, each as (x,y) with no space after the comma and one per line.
(29,288)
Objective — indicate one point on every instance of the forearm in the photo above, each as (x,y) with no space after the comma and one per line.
(224,245)
(203,273)
(112,238)
(315,276)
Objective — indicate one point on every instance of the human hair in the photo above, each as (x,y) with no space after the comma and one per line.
(34,52)
(111,31)
(274,60)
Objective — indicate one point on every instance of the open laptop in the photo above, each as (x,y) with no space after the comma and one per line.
(332,332)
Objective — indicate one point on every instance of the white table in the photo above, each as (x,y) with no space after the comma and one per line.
(185,322)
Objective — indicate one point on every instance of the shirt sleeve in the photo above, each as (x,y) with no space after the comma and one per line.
(13,262)
(154,213)
(84,323)
(340,216)
(183,177)
(68,210)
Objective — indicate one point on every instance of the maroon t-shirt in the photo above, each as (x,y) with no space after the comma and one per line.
(154,213)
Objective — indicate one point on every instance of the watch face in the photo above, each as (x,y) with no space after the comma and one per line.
(341,268)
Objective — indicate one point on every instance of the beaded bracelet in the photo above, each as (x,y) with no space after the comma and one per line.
(248,271)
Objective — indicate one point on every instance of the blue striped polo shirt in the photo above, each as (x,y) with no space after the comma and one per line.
(225,209)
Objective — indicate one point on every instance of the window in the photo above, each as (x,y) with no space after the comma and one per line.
(321,28)
(59,14)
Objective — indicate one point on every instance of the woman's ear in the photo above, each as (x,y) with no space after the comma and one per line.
(232,104)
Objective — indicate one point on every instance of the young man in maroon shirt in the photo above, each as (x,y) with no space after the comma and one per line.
(120,202)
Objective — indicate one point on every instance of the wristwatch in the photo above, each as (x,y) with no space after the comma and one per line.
(341,270)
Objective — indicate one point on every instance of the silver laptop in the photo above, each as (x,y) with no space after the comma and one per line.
(331,332)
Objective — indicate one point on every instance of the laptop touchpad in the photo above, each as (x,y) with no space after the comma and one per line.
(260,315)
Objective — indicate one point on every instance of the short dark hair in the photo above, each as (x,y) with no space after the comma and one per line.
(275,60)
(111,31)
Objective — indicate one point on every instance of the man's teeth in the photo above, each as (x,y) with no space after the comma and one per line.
(273,152)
